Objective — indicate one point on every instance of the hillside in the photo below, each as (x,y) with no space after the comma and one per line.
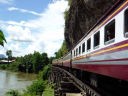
(81,16)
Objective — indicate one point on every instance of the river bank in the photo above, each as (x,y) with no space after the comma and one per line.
(14,80)
(37,87)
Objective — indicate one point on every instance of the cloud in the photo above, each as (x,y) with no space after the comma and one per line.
(46,31)
(23,11)
(6,1)
(19,33)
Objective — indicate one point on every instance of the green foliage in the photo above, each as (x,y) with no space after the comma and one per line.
(45,58)
(66,14)
(39,61)
(2,38)
(13,66)
(28,94)
(51,59)
(9,54)
(69,2)
(31,63)
(3,66)
(36,88)
(36,61)
(48,91)
(40,85)
(44,73)
(13,93)
(62,51)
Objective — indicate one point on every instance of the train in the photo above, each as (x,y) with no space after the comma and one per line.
(103,50)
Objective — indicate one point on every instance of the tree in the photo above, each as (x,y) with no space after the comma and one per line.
(9,54)
(62,51)
(37,62)
(45,59)
(31,62)
(2,38)
(51,59)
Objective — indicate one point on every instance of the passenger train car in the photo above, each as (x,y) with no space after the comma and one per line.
(104,49)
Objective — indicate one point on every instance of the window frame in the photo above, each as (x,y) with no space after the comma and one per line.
(97,46)
(83,47)
(76,51)
(88,49)
(106,42)
(79,49)
(125,32)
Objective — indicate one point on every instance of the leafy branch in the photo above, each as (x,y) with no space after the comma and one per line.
(2,38)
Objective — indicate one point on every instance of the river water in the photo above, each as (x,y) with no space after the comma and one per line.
(12,80)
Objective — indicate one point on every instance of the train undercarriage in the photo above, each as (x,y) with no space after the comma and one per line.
(104,85)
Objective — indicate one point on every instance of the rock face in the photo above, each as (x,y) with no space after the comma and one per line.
(82,15)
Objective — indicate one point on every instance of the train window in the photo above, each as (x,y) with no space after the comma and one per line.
(83,47)
(126,23)
(110,32)
(79,49)
(96,40)
(88,44)
(76,51)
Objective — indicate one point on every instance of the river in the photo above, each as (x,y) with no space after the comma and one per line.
(12,80)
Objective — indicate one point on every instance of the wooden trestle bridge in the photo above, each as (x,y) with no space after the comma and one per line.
(66,82)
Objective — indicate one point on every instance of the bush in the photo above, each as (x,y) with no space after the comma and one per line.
(13,93)
(44,73)
(3,66)
(13,66)
(48,91)
(36,88)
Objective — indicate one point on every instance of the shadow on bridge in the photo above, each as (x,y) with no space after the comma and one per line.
(65,83)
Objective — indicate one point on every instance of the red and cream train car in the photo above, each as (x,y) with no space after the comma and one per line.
(104,49)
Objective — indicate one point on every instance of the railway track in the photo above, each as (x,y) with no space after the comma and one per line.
(66,82)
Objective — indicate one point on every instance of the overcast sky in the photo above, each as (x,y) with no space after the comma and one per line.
(32,25)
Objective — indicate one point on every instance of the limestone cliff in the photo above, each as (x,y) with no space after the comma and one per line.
(82,15)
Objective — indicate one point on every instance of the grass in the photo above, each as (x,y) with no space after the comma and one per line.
(49,91)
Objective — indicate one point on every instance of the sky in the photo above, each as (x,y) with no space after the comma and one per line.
(32,25)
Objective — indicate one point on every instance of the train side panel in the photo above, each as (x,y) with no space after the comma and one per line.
(67,60)
(110,57)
